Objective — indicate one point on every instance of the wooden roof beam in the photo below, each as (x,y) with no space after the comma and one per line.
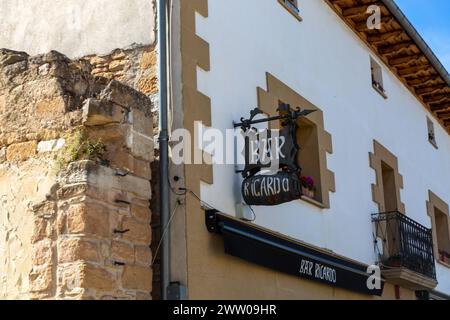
(437,98)
(362,26)
(374,39)
(440,112)
(395,48)
(445,116)
(355,11)
(440,107)
(413,70)
(402,60)
(430,90)
(423,81)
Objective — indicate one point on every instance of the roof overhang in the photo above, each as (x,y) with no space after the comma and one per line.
(403,50)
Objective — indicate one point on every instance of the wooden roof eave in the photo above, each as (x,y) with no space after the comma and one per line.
(401,53)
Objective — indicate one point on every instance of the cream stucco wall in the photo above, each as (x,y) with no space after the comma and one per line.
(325,62)
(75,27)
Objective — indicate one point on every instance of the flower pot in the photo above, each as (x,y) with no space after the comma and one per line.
(308,192)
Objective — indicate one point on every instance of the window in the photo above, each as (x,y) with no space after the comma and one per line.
(377,77)
(292,7)
(438,211)
(431,134)
(442,233)
(389,188)
(308,156)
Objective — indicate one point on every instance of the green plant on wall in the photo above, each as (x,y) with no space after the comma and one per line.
(79,146)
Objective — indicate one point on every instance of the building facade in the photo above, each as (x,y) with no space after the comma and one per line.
(377,142)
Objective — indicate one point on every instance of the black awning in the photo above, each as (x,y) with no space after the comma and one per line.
(268,249)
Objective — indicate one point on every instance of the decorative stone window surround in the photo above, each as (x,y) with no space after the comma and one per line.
(380,155)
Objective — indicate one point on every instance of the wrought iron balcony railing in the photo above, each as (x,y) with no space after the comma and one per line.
(406,243)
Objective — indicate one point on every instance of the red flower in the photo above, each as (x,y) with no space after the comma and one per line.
(307,182)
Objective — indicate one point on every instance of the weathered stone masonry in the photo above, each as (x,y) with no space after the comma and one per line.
(75,155)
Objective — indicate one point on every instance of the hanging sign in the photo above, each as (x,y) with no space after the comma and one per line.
(267,190)
(271,173)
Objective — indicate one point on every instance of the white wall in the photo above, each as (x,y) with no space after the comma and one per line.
(75,27)
(323,60)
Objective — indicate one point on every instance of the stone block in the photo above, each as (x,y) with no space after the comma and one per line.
(148,59)
(96,112)
(88,219)
(143,255)
(70,191)
(126,97)
(50,145)
(122,252)
(117,65)
(21,151)
(8,57)
(138,278)
(99,60)
(87,277)
(105,178)
(143,296)
(141,146)
(42,229)
(142,169)
(139,232)
(141,123)
(71,250)
(42,252)
(98,279)
(41,278)
(50,106)
(141,213)
(148,85)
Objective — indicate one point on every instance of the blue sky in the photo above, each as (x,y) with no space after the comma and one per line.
(431,18)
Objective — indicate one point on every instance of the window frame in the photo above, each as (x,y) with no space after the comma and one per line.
(431,133)
(292,8)
(434,203)
(376,74)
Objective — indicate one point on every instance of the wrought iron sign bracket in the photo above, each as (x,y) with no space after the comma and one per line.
(291,115)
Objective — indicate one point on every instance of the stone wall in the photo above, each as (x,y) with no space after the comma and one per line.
(136,68)
(75,155)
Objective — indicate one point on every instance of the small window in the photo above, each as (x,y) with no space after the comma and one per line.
(443,235)
(431,134)
(389,187)
(377,77)
(439,212)
(292,7)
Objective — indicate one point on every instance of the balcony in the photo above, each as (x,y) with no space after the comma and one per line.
(406,252)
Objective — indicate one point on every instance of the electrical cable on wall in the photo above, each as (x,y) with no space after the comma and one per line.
(164,232)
